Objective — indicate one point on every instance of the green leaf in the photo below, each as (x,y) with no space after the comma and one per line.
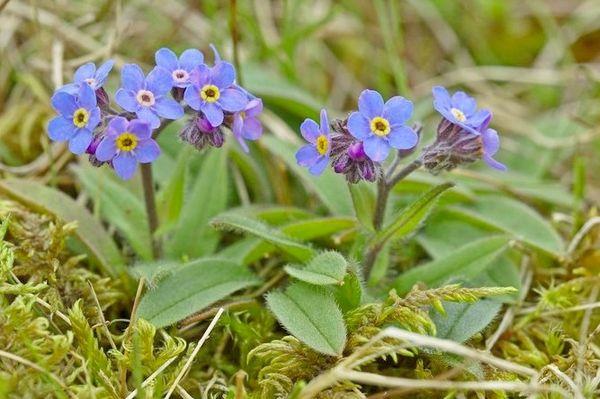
(329,187)
(119,206)
(327,268)
(465,262)
(193,236)
(411,217)
(349,295)
(363,199)
(463,320)
(193,287)
(514,217)
(274,236)
(170,198)
(310,314)
(90,231)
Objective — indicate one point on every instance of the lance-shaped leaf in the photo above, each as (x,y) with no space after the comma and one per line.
(325,269)
(310,314)
(191,288)
(274,236)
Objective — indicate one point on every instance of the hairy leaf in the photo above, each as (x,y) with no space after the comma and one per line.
(326,268)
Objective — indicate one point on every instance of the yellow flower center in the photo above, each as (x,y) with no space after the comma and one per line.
(380,126)
(145,98)
(322,144)
(458,114)
(127,142)
(210,93)
(81,117)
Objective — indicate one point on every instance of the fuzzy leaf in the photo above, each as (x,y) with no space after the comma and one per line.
(194,237)
(256,228)
(349,295)
(515,218)
(310,314)
(90,231)
(363,200)
(463,320)
(119,206)
(410,218)
(191,288)
(327,268)
(466,262)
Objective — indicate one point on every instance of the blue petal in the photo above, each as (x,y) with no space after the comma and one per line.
(493,163)
(441,99)
(106,149)
(370,103)
(465,103)
(397,110)
(310,130)
(61,129)
(86,97)
(232,100)
(149,116)
(324,122)
(94,118)
(222,75)
(132,77)
(190,59)
(159,81)
(168,108)
(70,88)
(491,142)
(64,103)
(216,54)
(140,128)
(477,120)
(80,141)
(237,129)
(200,75)
(126,99)
(402,138)
(213,113)
(192,98)
(86,71)
(166,59)
(102,72)
(125,165)
(376,148)
(118,125)
(307,155)
(358,126)
(147,151)
(319,166)
(252,129)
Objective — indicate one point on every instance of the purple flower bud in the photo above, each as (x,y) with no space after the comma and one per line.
(200,133)
(102,99)
(91,150)
(348,155)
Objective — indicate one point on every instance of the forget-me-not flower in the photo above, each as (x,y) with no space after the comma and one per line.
(315,155)
(179,68)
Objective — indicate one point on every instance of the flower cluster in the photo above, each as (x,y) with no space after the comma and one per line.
(358,145)
(176,86)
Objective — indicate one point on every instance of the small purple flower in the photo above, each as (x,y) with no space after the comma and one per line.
(490,144)
(348,155)
(79,116)
(87,73)
(147,96)
(125,144)
(382,126)
(200,133)
(246,125)
(315,156)
(179,69)
(212,92)
(460,109)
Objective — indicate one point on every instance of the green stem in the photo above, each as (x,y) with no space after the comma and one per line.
(150,201)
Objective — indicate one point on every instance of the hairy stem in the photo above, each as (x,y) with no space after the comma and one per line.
(150,201)
(384,185)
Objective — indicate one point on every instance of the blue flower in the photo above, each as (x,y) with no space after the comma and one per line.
(460,109)
(126,143)
(87,73)
(212,92)
(315,156)
(147,96)
(246,125)
(382,126)
(490,144)
(179,69)
(79,116)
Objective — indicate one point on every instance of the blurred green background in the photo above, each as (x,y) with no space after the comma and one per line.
(534,62)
